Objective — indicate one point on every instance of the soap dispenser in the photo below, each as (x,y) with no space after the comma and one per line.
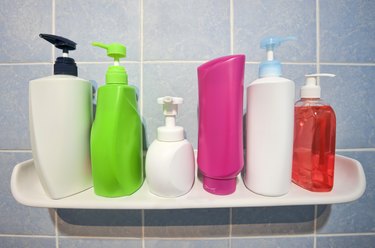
(60,118)
(314,138)
(270,120)
(116,135)
(170,166)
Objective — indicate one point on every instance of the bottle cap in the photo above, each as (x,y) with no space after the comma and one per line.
(219,186)
(116,74)
(170,132)
(271,67)
(63,65)
(311,89)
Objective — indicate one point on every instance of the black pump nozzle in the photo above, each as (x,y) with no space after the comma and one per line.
(59,42)
(63,65)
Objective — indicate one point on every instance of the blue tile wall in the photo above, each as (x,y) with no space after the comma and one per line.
(366,241)
(16,218)
(358,216)
(347,31)
(254,20)
(99,20)
(21,21)
(166,40)
(351,95)
(180,30)
(14,94)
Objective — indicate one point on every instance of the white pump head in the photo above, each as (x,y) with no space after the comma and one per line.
(311,89)
(170,132)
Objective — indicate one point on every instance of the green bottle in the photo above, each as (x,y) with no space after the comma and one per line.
(116,134)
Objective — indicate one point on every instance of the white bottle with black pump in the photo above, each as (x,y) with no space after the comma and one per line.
(270,121)
(170,164)
(60,116)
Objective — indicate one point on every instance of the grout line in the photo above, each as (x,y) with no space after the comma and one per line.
(184,62)
(173,61)
(98,237)
(27,236)
(317,37)
(345,234)
(53,17)
(143,228)
(270,236)
(57,245)
(231,23)
(230,227)
(315,223)
(56,230)
(347,64)
(337,150)
(53,32)
(189,238)
(107,62)
(141,60)
(25,63)
(15,151)
(141,102)
(356,150)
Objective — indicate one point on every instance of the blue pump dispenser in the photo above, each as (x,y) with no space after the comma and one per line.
(271,67)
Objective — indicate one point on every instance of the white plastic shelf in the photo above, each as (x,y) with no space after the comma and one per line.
(349,185)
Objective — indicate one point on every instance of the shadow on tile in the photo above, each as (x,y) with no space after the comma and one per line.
(272,220)
(187,223)
(104,223)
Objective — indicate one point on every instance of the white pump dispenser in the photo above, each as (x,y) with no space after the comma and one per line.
(311,89)
(170,166)
(60,117)
(270,120)
(170,132)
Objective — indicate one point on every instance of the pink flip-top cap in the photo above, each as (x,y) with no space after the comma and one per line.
(219,186)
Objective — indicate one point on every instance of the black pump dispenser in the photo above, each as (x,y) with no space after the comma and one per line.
(63,65)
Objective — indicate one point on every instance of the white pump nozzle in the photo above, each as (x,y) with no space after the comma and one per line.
(311,89)
(170,132)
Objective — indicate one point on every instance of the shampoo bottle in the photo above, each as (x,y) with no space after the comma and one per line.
(314,139)
(60,112)
(220,147)
(170,166)
(116,135)
(270,120)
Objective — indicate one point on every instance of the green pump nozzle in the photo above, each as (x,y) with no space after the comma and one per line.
(116,74)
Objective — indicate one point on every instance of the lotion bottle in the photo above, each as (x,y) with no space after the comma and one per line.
(170,166)
(270,120)
(60,117)
(116,135)
(314,139)
(220,148)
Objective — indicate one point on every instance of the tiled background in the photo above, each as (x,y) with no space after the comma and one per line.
(166,41)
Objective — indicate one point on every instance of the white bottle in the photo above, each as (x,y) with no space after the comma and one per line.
(270,121)
(170,163)
(60,116)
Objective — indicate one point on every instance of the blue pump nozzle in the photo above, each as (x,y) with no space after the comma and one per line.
(271,67)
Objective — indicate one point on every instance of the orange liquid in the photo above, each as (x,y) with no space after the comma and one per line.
(314,147)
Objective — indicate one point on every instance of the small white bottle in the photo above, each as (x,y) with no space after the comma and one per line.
(270,121)
(60,116)
(170,163)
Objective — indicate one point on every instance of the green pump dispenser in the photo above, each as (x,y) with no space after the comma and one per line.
(116,134)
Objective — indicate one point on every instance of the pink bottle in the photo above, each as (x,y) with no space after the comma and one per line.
(220,149)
